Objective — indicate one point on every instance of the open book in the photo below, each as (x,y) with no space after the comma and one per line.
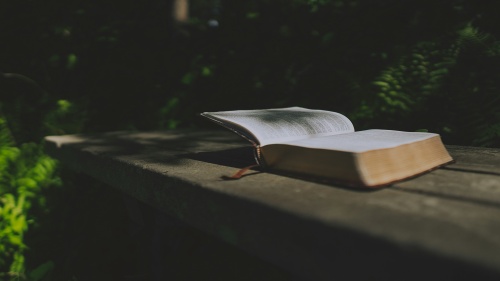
(324,144)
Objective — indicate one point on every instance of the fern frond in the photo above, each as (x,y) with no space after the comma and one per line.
(469,35)
(6,138)
(417,76)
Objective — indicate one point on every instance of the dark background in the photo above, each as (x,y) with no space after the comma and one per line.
(127,65)
(95,66)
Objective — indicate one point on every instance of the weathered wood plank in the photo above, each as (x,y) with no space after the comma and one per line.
(457,185)
(475,177)
(475,159)
(319,231)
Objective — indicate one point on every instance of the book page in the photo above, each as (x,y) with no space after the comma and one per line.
(362,141)
(285,124)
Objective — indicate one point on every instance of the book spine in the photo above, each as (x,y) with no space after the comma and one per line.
(257,154)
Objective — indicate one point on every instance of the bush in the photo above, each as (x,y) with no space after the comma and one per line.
(25,171)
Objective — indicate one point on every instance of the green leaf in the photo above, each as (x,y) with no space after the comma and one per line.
(205,71)
(252,15)
(19,224)
(16,240)
(27,182)
(188,78)
(17,265)
(72,60)
(41,271)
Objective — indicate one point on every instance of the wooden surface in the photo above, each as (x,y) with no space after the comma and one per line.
(442,225)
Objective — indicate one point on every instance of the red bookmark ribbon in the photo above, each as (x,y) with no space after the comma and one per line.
(240,173)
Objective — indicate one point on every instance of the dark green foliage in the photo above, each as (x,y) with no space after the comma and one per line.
(24,171)
(449,87)
(472,88)
(64,118)
(406,87)
(22,100)
(128,66)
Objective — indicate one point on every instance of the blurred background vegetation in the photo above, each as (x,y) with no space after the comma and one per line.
(93,66)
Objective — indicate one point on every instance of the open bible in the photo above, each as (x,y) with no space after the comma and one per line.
(323,144)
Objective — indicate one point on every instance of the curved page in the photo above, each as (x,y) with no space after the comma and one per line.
(284,124)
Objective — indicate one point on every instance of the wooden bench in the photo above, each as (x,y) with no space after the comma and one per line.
(443,225)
